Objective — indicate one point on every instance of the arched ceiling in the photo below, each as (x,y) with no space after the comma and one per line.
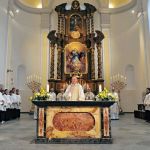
(35,3)
(118,3)
(46,5)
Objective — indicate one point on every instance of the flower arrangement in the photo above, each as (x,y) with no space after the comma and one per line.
(105,95)
(41,95)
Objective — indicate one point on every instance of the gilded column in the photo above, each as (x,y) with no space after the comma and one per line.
(52,61)
(88,24)
(92,64)
(59,22)
(92,24)
(62,24)
(99,52)
(59,63)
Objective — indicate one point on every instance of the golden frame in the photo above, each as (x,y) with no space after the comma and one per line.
(72,67)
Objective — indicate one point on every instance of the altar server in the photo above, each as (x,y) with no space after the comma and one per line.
(14,103)
(147,105)
(114,109)
(60,96)
(89,95)
(18,97)
(52,95)
(2,108)
(74,92)
(8,104)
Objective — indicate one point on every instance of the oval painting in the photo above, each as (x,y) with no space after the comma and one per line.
(73,121)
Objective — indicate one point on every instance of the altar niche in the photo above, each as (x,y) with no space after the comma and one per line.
(75,43)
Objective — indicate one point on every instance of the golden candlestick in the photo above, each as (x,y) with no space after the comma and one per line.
(33,83)
(118,82)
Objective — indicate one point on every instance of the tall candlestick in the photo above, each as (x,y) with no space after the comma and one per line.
(100,88)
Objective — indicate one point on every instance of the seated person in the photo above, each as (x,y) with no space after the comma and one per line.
(114,109)
(60,96)
(147,105)
(89,95)
(52,95)
(74,91)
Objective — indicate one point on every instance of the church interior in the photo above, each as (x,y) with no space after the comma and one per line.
(105,43)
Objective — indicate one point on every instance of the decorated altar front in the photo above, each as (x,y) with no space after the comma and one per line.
(73,122)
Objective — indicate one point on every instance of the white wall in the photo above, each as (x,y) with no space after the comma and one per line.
(3,38)
(128,48)
(25,47)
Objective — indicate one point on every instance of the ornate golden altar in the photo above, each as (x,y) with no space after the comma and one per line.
(75,43)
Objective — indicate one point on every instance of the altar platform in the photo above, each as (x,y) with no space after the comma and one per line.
(80,122)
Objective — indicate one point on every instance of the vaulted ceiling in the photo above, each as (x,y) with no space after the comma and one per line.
(47,4)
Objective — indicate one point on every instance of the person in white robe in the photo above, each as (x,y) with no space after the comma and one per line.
(60,96)
(89,95)
(18,100)
(52,95)
(14,103)
(8,104)
(2,108)
(74,92)
(147,105)
(114,109)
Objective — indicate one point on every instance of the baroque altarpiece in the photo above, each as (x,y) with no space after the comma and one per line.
(75,43)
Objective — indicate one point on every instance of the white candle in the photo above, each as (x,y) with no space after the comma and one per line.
(100,88)
(47,88)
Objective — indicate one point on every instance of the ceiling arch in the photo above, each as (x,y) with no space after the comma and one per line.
(45,6)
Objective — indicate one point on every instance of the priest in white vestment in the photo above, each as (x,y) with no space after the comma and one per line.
(74,92)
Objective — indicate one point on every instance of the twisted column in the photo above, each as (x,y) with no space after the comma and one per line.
(52,62)
(59,63)
(92,64)
(99,61)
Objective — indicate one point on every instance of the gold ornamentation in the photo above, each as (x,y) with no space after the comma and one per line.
(99,62)
(75,34)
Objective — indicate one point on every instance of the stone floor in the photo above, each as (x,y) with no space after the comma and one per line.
(128,134)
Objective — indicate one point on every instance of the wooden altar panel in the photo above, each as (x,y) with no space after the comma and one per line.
(73,122)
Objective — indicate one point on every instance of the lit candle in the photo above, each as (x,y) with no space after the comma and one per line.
(100,88)
(47,88)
